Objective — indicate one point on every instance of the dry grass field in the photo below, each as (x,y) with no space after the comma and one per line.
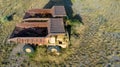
(95,43)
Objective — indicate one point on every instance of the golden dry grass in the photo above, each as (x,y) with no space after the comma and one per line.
(98,38)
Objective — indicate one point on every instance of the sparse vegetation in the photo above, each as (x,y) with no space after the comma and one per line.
(92,44)
(3,19)
(42,55)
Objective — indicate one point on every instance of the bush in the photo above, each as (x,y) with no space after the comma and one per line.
(31,55)
(4,19)
(73,22)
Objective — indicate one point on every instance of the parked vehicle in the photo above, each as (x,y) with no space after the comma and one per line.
(42,27)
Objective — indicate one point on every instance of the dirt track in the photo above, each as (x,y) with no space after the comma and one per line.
(17,56)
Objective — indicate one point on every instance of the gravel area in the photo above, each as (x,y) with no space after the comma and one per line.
(17,56)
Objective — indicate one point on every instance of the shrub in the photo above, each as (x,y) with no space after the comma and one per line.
(4,19)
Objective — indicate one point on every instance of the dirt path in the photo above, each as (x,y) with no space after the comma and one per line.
(17,56)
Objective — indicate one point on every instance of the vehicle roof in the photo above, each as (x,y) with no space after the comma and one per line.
(59,11)
(56,25)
